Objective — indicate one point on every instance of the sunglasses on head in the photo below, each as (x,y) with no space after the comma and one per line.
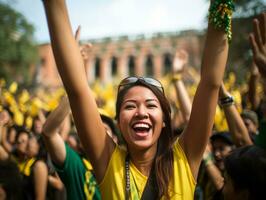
(133,79)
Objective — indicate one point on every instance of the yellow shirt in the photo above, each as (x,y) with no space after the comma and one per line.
(182,186)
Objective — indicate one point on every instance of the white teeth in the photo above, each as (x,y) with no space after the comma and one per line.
(141,125)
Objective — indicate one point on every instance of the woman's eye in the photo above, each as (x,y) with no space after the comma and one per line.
(152,106)
(129,106)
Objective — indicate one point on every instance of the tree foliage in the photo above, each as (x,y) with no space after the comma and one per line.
(240,50)
(17,47)
(249,8)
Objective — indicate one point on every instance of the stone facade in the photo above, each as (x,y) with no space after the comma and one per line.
(123,56)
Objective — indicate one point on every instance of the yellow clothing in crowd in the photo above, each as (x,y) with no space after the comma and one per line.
(182,186)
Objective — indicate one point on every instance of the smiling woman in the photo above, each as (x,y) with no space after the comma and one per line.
(154,166)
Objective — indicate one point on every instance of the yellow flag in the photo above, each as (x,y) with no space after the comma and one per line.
(24,97)
(13,87)
(28,122)
(18,118)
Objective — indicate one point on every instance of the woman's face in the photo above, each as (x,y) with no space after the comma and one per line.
(33,147)
(22,142)
(220,150)
(252,128)
(38,125)
(140,118)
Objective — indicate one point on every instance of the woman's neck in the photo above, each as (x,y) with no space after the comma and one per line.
(143,159)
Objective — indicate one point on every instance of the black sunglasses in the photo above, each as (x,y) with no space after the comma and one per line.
(133,79)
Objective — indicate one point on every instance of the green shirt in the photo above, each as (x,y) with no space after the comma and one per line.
(78,180)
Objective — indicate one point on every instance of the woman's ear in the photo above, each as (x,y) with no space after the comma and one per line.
(163,124)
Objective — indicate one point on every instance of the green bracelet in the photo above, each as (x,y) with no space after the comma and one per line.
(208,160)
(220,15)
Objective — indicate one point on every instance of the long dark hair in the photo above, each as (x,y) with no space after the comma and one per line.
(246,166)
(163,162)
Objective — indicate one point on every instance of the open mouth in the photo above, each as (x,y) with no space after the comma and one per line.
(141,129)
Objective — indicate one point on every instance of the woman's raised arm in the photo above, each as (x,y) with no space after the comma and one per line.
(196,135)
(97,145)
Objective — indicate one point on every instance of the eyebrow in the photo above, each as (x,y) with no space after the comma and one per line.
(147,100)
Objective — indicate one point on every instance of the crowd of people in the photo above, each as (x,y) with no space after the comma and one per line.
(204,142)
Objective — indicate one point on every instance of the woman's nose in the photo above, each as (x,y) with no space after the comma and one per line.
(142,112)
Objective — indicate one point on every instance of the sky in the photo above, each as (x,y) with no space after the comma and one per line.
(110,18)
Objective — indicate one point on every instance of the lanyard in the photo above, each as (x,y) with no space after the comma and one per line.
(127,177)
(151,189)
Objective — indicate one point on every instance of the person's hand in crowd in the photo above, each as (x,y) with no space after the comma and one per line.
(258,43)
(4,118)
(180,60)
(178,67)
(85,49)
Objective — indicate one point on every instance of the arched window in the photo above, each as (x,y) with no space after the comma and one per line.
(131,65)
(168,62)
(149,66)
(97,67)
(114,66)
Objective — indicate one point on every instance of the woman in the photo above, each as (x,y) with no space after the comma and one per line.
(35,171)
(143,116)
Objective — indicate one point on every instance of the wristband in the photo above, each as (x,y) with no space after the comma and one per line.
(176,77)
(208,160)
(226,101)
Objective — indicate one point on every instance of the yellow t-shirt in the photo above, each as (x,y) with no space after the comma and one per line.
(182,186)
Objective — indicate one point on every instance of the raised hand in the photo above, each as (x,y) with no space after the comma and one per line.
(258,43)
(85,49)
(180,60)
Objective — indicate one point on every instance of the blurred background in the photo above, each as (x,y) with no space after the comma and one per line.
(129,37)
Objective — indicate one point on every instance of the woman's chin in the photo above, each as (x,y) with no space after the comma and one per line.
(142,144)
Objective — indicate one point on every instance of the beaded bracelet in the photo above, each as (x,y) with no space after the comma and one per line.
(220,15)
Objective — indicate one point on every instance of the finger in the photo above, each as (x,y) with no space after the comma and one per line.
(88,46)
(263,27)
(254,45)
(77,33)
(257,33)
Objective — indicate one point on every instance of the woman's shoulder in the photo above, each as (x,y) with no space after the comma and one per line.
(40,166)
(118,155)
(116,162)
